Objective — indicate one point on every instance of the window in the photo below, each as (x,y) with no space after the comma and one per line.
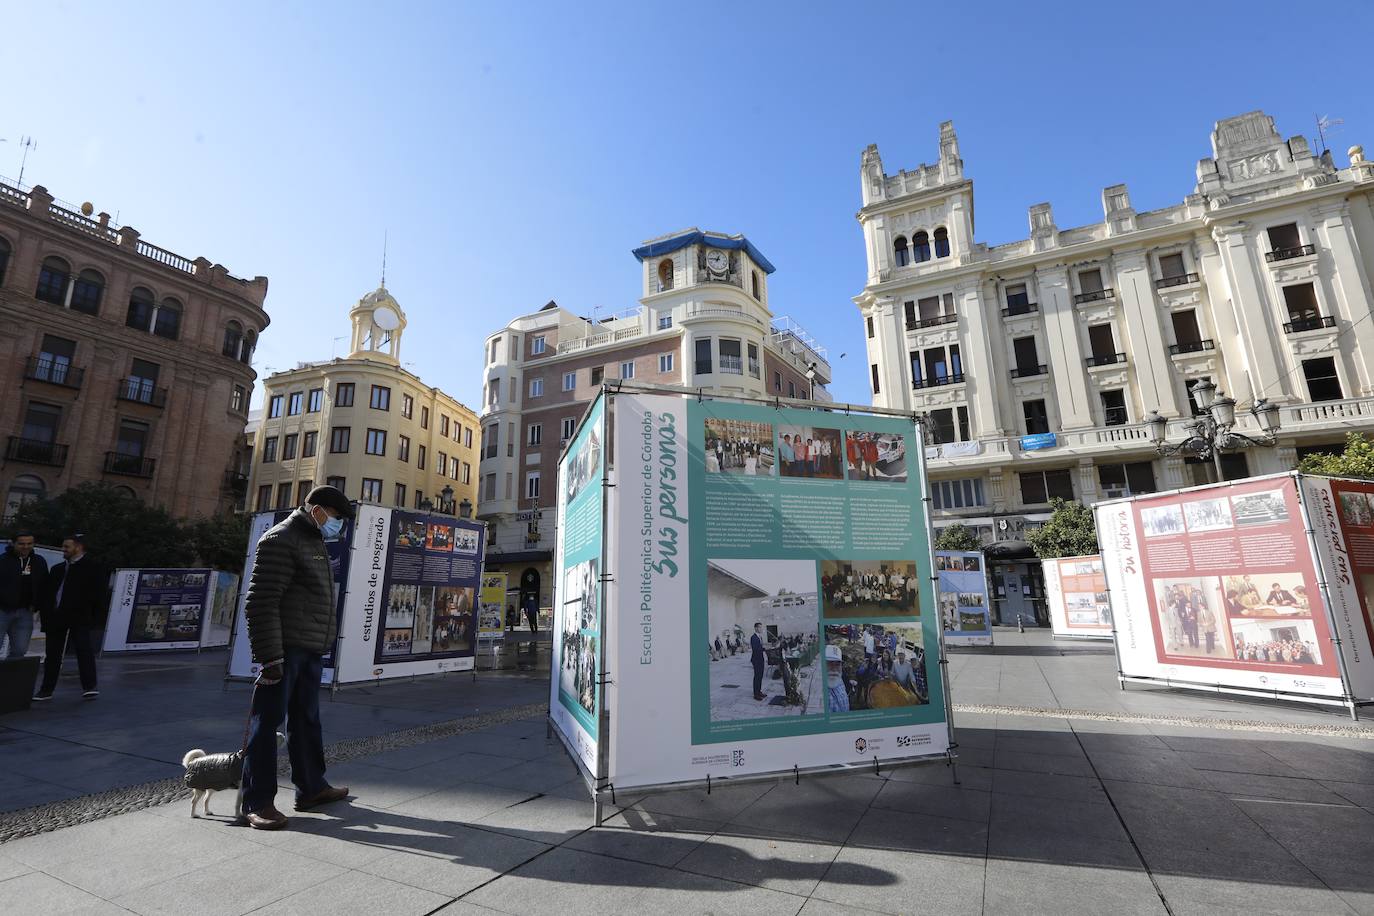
(1027,357)
(381,398)
(753,350)
(420,457)
(754,286)
(730,357)
(962,413)
(1187,336)
(338,439)
(534,433)
(403,448)
(466,477)
(665,321)
(536,387)
(269,450)
(1322,382)
(132,438)
(141,385)
(597,374)
(86,292)
(1042,486)
(868,322)
(929,308)
(532,485)
(372,490)
(920,248)
(515,347)
(400,496)
(1114,407)
(777,381)
(1037,421)
(443,426)
(1018,300)
(537,345)
(901,255)
(274,407)
(167,320)
(250,343)
(140,314)
(233,339)
(936,366)
(627,369)
(238,399)
(315,403)
(284,495)
(569,381)
(566,428)
(441,464)
(1102,342)
(489,487)
(407,406)
(942,426)
(343,394)
(1284,238)
(491,356)
(1090,281)
(376,442)
(295,403)
(288,446)
(703,356)
(424,418)
(942,242)
(873,372)
(665,362)
(1172,266)
(1126,479)
(792,386)
(55,360)
(1301,301)
(264,501)
(665,275)
(419,499)
(453,466)
(310,443)
(467,437)
(964,493)
(491,440)
(303,490)
(338,483)
(40,423)
(53,279)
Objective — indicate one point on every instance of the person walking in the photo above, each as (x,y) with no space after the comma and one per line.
(292,623)
(23,578)
(756,658)
(72,612)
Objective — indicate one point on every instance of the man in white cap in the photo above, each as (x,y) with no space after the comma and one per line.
(834,680)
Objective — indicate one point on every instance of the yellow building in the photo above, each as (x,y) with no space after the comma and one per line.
(365,425)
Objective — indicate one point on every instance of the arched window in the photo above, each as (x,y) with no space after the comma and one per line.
(233,339)
(126,493)
(167,322)
(920,244)
(4,258)
(901,253)
(942,242)
(86,292)
(754,282)
(53,279)
(23,489)
(140,309)
(250,340)
(665,274)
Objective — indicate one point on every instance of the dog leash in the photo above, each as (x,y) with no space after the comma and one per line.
(243,752)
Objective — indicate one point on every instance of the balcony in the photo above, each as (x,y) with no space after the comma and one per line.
(36,451)
(236,482)
(54,372)
(1287,254)
(1094,296)
(1023,308)
(955,379)
(1029,371)
(128,465)
(1192,346)
(1115,416)
(1308,324)
(1106,359)
(141,391)
(931,322)
(732,365)
(1180,280)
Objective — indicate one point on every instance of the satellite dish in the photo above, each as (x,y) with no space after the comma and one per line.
(386,318)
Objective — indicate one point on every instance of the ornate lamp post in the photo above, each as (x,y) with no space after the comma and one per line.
(465,508)
(1208,435)
(446,500)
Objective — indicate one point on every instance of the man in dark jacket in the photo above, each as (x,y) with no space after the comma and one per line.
(23,578)
(291,625)
(73,612)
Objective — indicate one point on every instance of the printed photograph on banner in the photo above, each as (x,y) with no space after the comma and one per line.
(438,537)
(400,606)
(1087,609)
(454,607)
(1356,509)
(225,599)
(763,639)
(422,630)
(1162,521)
(396,642)
(183,621)
(160,580)
(1276,642)
(149,623)
(875,456)
(584,464)
(465,540)
(1267,594)
(1208,514)
(810,451)
(958,564)
(410,533)
(577,663)
(869,588)
(1259,508)
(874,666)
(1191,618)
(739,447)
(962,612)
(193,580)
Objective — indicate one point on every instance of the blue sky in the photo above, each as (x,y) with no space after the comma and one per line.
(515,153)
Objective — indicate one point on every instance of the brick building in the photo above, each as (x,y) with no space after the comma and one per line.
(121,362)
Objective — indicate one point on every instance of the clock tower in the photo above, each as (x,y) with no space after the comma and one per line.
(377,326)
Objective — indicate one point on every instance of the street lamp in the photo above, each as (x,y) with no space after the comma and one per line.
(465,508)
(446,494)
(1211,433)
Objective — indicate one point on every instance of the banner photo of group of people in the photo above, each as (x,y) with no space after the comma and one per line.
(491,607)
(789,549)
(964,609)
(1221,585)
(169,609)
(574,688)
(1077,599)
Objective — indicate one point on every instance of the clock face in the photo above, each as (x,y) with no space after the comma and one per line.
(717,261)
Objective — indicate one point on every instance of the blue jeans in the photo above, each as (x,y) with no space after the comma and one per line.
(295,699)
(18,626)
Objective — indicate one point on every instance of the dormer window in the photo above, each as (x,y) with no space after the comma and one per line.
(665,274)
(942,242)
(901,254)
(920,244)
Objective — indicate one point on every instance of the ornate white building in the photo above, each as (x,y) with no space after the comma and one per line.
(1037,360)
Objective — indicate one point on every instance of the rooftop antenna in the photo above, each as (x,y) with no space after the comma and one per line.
(1325,123)
(27,143)
(335,345)
(384,232)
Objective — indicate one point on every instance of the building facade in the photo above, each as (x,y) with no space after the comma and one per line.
(1037,360)
(365,425)
(703,321)
(122,362)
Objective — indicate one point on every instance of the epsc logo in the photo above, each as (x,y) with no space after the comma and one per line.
(737,758)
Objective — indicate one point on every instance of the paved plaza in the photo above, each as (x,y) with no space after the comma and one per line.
(732,691)
(1074,797)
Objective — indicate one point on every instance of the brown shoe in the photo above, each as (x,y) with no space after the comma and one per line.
(268,818)
(323,797)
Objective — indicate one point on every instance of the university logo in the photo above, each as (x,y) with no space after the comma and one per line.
(860,745)
(737,758)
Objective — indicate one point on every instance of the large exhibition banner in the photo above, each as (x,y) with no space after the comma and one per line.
(157,609)
(1076,597)
(574,693)
(491,606)
(963,598)
(773,601)
(1220,585)
(1341,515)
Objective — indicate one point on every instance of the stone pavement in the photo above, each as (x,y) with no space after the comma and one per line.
(1086,800)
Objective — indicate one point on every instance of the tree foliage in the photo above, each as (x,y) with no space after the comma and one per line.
(1070,532)
(957,537)
(1356,460)
(219,541)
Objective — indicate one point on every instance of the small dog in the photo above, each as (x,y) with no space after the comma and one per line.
(207,774)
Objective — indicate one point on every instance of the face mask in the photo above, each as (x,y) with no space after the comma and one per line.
(331,528)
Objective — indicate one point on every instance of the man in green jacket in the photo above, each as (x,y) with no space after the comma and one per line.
(291,625)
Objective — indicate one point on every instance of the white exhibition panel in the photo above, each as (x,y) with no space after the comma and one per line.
(1076,598)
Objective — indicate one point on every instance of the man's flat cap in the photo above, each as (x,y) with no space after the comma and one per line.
(330,498)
